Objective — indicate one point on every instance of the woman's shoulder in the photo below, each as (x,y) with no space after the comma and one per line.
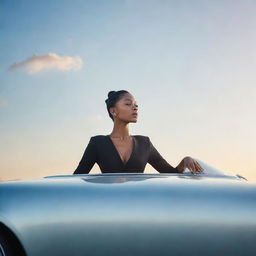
(99,137)
(141,138)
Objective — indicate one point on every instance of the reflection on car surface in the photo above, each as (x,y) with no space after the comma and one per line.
(210,213)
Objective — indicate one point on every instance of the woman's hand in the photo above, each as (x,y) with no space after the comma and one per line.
(191,164)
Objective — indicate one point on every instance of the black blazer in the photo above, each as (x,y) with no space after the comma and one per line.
(102,151)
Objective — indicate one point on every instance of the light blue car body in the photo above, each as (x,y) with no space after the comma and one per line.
(131,214)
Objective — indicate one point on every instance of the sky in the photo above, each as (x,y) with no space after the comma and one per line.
(189,64)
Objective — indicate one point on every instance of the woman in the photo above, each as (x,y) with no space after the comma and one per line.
(121,152)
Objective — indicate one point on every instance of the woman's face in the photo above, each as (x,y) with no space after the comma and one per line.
(126,109)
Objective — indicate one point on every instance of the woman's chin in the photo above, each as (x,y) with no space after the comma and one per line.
(133,120)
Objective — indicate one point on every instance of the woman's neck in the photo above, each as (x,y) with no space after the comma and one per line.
(120,130)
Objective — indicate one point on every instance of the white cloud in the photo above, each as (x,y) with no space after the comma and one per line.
(36,63)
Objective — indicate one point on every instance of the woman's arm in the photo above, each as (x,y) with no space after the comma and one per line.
(88,159)
(161,165)
(158,162)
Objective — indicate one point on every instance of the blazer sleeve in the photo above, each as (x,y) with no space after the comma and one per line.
(158,162)
(88,159)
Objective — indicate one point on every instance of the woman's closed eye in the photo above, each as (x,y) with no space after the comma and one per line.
(129,104)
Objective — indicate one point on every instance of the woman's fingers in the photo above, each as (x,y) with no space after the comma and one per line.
(199,167)
(193,165)
(196,168)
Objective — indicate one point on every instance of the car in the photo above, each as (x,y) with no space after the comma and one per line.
(209,213)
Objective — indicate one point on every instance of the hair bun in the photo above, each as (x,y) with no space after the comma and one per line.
(111,93)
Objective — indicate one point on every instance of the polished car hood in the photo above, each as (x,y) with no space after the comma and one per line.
(153,211)
(130,180)
(145,180)
(130,186)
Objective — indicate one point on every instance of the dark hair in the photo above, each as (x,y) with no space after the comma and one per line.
(113,98)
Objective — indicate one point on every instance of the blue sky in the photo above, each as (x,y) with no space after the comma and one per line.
(189,64)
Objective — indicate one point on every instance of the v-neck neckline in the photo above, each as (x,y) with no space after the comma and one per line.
(115,149)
